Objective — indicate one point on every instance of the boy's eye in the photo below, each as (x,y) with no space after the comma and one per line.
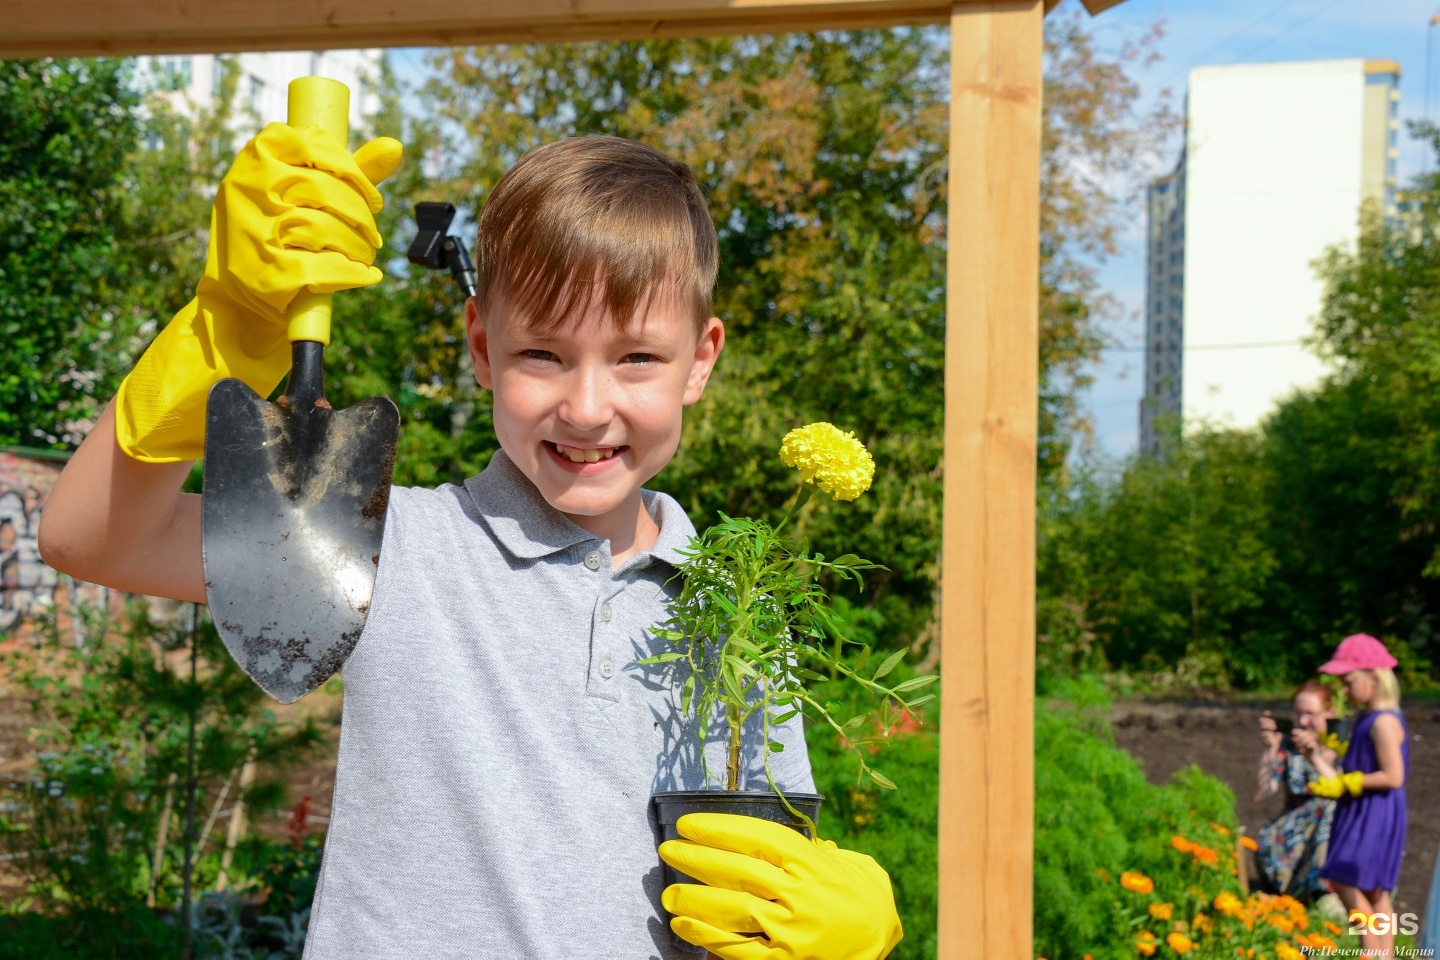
(543,355)
(639,358)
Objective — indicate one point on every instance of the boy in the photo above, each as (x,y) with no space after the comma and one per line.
(499,743)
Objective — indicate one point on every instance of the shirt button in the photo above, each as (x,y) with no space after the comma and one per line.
(592,560)
(605,612)
(607,669)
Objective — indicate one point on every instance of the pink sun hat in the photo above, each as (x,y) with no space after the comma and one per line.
(1359,652)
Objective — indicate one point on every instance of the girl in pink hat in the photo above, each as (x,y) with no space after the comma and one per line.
(1367,840)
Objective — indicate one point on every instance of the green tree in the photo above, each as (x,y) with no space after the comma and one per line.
(67,128)
(825,160)
(1165,564)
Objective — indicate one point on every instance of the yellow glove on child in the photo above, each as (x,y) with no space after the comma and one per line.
(1335,787)
(295,212)
(772,894)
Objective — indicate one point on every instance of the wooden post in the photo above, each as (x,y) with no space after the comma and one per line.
(987,732)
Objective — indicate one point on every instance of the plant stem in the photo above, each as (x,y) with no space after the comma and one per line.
(732,763)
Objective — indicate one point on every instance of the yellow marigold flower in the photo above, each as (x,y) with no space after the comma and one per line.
(1161,911)
(1145,943)
(1202,923)
(1220,828)
(830,458)
(1138,882)
(1229,904)
(1285,951)
(1249,844)
(1179,943)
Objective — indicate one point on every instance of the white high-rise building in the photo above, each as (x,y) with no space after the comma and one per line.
(1278,159)
(192,81)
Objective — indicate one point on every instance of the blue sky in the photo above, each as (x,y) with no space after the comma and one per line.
(1208,32)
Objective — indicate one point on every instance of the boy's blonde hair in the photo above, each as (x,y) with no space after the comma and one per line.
(1387,691)
(590,219)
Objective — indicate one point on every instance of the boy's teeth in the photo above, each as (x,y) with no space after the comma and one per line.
(576,455)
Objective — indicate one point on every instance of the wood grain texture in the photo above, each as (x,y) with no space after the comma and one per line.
(988,558)
(33,28)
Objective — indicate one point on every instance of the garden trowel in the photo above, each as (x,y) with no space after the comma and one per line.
(295,493)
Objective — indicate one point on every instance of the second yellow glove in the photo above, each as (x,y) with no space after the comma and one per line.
(1333,788)
(771,894)
(295,212)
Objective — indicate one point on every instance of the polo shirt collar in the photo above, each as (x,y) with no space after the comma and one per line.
(529,528)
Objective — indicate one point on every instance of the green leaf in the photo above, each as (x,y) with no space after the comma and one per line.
(687,691)
(915,683)
(889,663)
(881,779)
(661,658)
(775,746)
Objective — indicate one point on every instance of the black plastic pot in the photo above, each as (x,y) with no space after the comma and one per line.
(671,805)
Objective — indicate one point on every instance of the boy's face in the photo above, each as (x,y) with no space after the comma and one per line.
(590,413)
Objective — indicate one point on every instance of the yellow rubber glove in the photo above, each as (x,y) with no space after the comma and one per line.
(1334,743)
(772,894)
(296,212)
(1333,788)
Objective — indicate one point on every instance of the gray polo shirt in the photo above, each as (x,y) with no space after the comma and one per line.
(499,745)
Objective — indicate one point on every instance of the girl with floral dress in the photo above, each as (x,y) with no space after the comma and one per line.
(1292,847)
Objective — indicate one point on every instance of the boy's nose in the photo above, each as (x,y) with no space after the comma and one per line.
(588,403)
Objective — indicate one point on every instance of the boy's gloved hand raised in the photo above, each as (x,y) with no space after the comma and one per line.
(772,894)
(296,212)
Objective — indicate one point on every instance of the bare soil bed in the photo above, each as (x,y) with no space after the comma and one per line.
(1222,739)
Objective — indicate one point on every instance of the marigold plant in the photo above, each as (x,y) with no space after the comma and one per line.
(756,628)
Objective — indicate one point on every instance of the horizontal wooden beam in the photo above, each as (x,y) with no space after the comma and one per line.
(95,28)
(36,28)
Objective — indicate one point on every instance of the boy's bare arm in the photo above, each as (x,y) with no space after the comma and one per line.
(116,521)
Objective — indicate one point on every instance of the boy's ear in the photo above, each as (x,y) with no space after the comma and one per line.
(707,351)
(479,344)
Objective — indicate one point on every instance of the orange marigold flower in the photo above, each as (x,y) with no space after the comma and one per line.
(1284,951)
(1161,911)
(1181,844)
(1205,855)
(1281,922)
(1145,943)
(1333,928)
(1249,844)
(1137,882)
(1179,943)
(1202,923)
(1220,828)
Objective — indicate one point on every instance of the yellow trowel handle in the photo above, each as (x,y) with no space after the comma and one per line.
(324,103)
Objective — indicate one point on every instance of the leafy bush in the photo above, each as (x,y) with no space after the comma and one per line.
(132,731)
(1125,867)
(896,827)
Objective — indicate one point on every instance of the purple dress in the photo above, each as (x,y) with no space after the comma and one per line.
(1367,839)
